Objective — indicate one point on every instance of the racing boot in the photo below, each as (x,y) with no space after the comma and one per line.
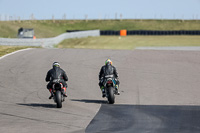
(103,92)
(65,94)
(117,90)
(50,90)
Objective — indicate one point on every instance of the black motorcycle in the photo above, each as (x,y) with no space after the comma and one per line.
(109,84)
(58,93)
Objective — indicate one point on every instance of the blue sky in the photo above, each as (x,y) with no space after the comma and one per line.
(101,9)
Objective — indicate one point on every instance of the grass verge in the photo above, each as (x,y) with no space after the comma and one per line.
(9,49)
(129,42)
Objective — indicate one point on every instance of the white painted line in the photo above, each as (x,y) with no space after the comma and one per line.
(14,52)
(183,48)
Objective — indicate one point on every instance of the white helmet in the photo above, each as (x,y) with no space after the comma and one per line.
(56,64)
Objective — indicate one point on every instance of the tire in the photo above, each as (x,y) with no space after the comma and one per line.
(111,96)
(58,99)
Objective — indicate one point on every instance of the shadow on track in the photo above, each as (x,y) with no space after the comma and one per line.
(90,101)
(38,105)
(146,118)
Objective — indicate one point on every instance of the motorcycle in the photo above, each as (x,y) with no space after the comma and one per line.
(58,92)
(109,84)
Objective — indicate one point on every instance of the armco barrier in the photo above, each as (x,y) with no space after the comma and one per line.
(48,42)
(151,32)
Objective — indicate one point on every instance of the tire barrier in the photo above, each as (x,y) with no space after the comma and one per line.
(109,32)
(151,32)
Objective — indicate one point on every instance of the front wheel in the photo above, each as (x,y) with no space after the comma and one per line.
(58,99)
(111,96)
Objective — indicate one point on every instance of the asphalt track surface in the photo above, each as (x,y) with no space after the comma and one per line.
(159,92)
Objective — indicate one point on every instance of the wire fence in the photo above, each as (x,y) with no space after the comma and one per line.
(86,17)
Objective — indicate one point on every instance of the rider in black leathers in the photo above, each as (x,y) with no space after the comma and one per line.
(108,69)
(56,73)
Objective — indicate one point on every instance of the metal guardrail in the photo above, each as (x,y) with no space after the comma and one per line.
(48,42)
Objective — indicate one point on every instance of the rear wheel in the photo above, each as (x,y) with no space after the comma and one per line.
(58,99)
(111,96)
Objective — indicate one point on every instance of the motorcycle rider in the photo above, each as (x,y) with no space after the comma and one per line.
(108,69)
(56,73)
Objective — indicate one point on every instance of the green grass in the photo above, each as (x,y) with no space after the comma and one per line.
(129,42)
(48,28)
(8,49)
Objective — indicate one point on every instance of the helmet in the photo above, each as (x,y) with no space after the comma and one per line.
(56,64)
(108,61)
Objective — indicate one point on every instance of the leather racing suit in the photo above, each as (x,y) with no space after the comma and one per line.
(56,73)
(108,70)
